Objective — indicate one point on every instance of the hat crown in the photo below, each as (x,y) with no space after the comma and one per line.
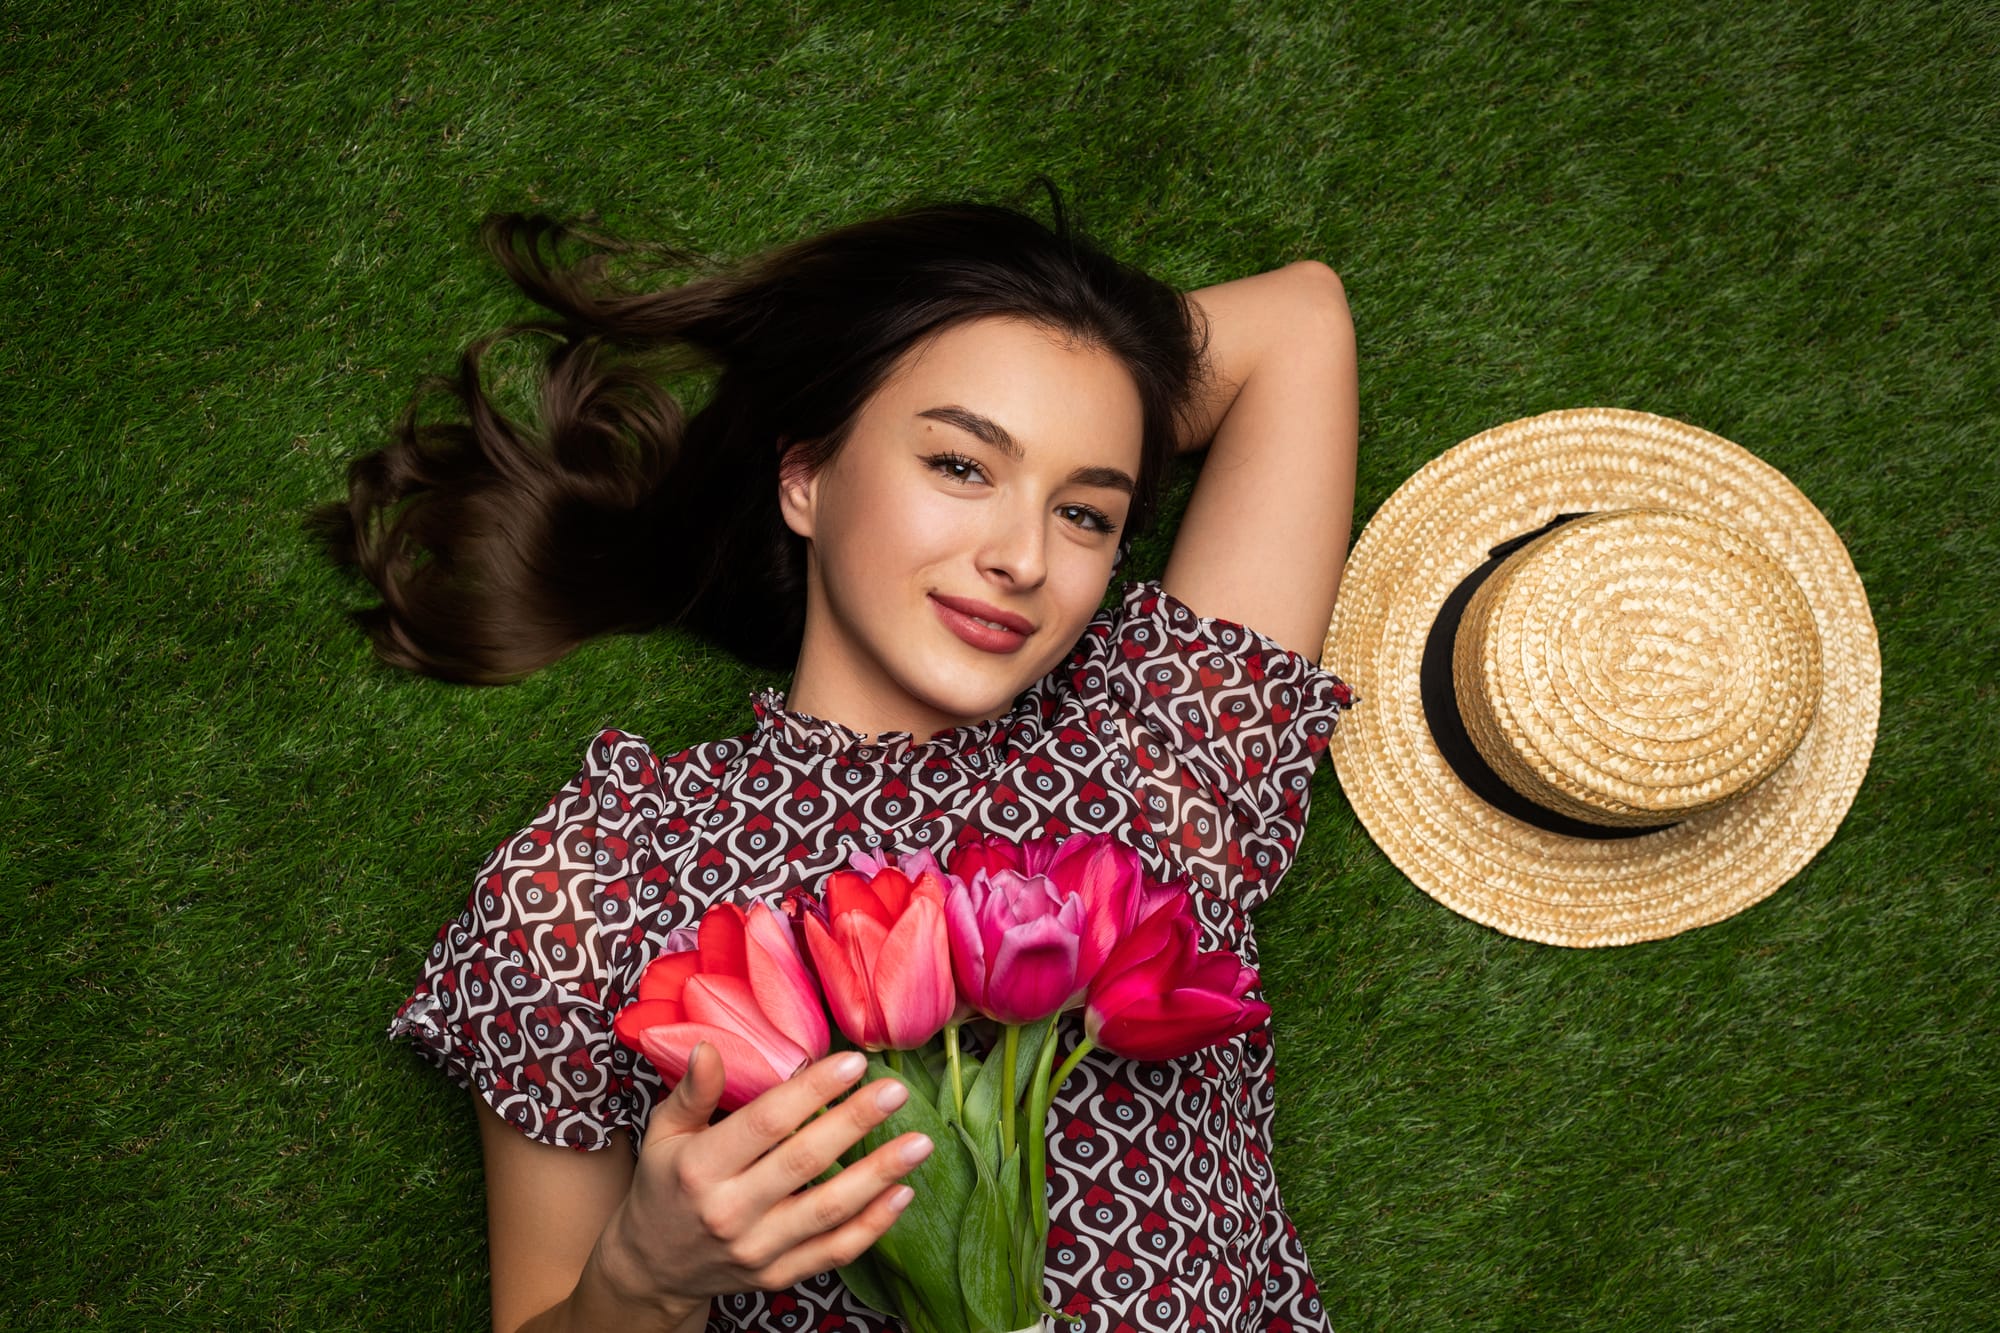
(1637,666)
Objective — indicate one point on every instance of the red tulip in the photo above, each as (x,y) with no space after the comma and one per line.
(1014,944)
(990,852)
(744,990)
(1156,998)
(879,943)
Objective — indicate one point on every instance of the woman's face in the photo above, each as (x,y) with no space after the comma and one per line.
(993,469)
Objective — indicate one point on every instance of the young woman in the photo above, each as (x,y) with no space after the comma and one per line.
(930,441)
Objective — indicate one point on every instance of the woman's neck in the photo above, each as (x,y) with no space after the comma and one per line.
(865,707)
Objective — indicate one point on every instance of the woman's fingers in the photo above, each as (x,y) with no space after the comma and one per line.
(845,1243)
(693,1100)
(808,1221)
(753,1129)
(818,1145)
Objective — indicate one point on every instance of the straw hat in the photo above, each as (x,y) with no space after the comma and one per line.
(1618,678)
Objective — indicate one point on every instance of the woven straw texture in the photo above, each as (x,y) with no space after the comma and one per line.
(1637,667)
(1659,670)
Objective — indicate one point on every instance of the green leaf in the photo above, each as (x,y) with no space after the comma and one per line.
(922,1244)
(985,1251)
(866,1284)
(917,1074)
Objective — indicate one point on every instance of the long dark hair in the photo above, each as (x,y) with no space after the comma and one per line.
(615,512)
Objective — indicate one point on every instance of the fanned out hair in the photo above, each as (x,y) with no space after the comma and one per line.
(614,511)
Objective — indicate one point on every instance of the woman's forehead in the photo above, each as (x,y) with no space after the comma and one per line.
(1022,389)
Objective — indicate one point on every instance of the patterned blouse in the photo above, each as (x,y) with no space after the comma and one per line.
(1192,738)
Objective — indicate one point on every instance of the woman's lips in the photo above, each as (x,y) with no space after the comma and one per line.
(990,638)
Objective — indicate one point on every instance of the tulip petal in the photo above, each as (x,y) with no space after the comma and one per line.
(1176,1024)
(929,884)
(968,948)
(913,977)
(665,975)
(726,1003)
(860,938)
(846,989)
(848,892)
(722,945)
(994,916)
(1028,896)
(892,890)
(989,853)
(635,1018)
(746,1073)
(919,863)
(868,862)
(1033,971)
(1220,971)
(779,981)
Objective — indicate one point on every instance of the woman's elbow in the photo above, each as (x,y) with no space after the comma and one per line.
(1323,296)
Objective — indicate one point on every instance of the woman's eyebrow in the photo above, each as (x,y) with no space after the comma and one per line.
(993,433)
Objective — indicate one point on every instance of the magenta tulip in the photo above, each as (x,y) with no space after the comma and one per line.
(1156,998)
(879,943)
(1014,944)
(744,990)
(1107,877)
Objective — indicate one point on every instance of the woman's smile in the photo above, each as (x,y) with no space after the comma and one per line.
(993,631)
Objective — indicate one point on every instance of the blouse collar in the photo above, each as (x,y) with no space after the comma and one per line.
(819,735)
(1019,725)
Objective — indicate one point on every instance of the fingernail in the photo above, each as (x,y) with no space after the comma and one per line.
(893,1095)
(900,1199)
(850,1065)
(916,1150)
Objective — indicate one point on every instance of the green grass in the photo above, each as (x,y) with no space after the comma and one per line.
(235,237)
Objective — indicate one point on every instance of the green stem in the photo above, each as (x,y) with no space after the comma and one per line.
(895,1059)
(957,1075)
(1037,1144)
(1007,1103)
(1083,1048)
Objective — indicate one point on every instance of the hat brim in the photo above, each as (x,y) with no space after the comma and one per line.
(1524,881)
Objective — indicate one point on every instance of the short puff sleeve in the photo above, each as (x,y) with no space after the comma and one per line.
(1245,716)
(512,1001)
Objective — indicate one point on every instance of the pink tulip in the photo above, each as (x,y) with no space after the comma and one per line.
(1014,944)
(744,990)
(1107,877)
(879,943)
(1156,998)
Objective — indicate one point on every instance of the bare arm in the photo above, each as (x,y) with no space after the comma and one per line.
(1264,538)
(604,1241)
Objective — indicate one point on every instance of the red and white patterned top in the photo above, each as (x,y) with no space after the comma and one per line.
(1194,739)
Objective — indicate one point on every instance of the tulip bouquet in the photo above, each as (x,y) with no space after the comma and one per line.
(906,952)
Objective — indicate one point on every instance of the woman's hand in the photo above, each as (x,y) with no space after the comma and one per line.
(599,1240)
(713,1208)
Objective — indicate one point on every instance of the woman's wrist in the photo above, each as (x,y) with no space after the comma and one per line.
(612,1293)
(626,1283)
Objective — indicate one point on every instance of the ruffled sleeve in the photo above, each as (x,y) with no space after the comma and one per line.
(1245,718)
(513,1000)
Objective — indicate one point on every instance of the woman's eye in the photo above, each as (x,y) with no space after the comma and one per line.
(1095,520)
(945,463)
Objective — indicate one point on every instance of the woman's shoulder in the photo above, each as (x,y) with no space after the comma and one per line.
(685,777)
(1125,645)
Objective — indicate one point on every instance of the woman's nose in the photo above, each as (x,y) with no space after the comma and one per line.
(1016,546)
